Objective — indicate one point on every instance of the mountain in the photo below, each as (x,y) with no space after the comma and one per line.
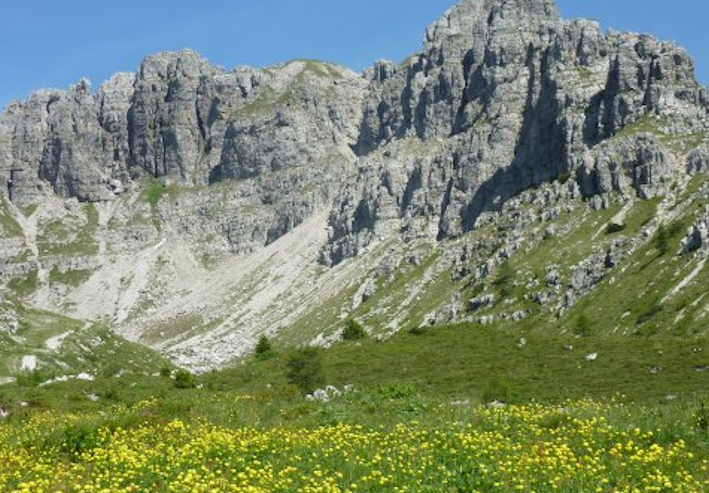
(519,169)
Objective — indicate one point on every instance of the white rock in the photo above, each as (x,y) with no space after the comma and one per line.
(496,405)
(54,343)
(29,363)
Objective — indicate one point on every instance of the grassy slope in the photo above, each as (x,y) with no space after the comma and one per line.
(636,299)
(9,226)
(430,379)
(467,361)
(85,348)
(649,345)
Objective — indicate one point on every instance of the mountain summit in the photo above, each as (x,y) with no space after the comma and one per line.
(501,174)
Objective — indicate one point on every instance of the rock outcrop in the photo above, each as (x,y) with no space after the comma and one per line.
(505,96)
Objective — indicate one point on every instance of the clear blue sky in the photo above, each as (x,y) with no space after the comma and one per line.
(48,43)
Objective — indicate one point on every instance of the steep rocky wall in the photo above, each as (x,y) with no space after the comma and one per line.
(280,136)
(504,95)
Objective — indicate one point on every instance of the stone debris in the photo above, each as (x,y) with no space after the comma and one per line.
(65,378)
(328,393)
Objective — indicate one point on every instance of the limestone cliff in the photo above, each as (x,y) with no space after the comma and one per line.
(509,116)
(505,96)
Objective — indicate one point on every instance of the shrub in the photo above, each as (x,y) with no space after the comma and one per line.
(111,394)
(353,331)
(25,285)
(264,349)
(184,380)
(419,330)
(154,191)
(649,313)
(78,438)
(701,417)
(397,390)
(614,228)
(563,177)
(505,281)
(34,377)
(583,326)
(304,369)
(499,390)
(555,420)
(662,240)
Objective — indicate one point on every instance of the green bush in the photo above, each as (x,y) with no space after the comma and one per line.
(554,421)
(701,417)
(78,438)
(499,390)
(304,369)
(662,240)
(34,378)
(397,390)
(649,313)
(184,380)
(563,177)
(353,331)
(583,326)
(154,191)
(25,285)
(614,228)
(264,349)
(418,330)
(505,280)
(110,394)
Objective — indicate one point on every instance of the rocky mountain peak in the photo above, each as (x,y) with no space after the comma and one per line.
(185,63)
(474,18)
(503,99)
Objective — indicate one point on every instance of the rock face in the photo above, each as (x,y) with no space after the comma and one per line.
(635,165)
(71,142)
(185,122)
(504,96)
